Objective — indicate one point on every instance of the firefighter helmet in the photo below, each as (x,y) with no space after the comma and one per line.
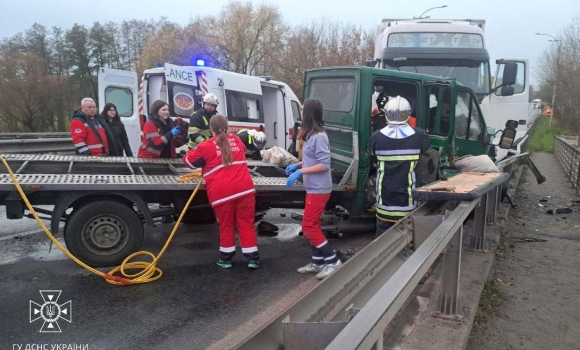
(211,99)
(398,110)
(260,140)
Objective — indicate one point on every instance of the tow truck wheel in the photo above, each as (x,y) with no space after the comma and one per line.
(103,233)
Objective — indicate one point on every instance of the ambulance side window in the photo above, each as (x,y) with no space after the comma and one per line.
(244,107)
(122,98)
(296,111)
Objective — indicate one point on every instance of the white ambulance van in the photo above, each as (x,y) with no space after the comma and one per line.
(249,102)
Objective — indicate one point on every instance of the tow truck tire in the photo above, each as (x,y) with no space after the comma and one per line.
(103,233)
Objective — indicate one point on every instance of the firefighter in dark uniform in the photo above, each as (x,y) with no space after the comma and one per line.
(254,140)
(199,122)
(397,147)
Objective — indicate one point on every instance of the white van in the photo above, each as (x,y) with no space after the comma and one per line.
(248,102)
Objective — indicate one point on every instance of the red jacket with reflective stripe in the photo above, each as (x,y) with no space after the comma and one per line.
(223,183)
(85,140)
(152,141)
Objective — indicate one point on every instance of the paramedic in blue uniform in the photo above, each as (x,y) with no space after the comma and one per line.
(397,147)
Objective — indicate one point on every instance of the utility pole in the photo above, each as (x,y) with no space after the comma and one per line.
(554,40)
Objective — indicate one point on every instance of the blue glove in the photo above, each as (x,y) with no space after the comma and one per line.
(175,131)
(292,168)
(293,177)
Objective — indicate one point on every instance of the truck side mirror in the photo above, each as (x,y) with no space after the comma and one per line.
(507,91)
(507,138)
(510,73)
(508,135)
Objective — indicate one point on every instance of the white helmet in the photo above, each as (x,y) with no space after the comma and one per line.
(260,140)
(398,110)
(211,99)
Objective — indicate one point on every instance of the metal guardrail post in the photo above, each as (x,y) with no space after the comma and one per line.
(491,206)
(478,241)
(449,300)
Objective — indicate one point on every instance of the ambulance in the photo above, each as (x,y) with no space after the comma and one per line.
(249,102)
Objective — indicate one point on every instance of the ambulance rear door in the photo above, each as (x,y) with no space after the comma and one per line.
(121,88)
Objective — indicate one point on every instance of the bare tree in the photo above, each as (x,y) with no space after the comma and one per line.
(561,67)
(241,36)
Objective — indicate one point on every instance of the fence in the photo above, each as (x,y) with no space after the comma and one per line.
(569,157)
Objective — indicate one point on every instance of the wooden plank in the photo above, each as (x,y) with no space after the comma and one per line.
(463,186)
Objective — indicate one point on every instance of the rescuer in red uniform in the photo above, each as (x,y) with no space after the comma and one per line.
(90,134)
(230,190)
(160,134)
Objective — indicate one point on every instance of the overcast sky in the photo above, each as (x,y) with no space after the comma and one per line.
(509,32)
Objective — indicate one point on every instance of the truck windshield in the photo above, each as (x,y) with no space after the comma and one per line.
(473,74)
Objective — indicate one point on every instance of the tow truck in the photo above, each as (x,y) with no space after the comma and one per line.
(105,202)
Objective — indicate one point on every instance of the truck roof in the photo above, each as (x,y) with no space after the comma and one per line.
(381,71)
(263,79)
(445,25)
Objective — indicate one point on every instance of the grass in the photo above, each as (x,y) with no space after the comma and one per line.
(542,138)
(491,298)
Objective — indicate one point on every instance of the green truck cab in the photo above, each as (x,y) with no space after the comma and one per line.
(446,110)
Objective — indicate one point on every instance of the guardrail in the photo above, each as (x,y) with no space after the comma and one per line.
(569,157)
(40,145)
(32,135)
(351,308)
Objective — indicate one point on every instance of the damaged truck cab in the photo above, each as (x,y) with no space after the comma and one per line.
(446,110)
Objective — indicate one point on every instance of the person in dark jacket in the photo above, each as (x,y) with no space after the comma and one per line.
(118,131)
(199,122)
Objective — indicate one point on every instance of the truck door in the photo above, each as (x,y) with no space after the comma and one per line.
(120,87)
(514,107)
(470,128)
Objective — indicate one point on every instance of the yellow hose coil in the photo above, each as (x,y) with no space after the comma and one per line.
(149,270)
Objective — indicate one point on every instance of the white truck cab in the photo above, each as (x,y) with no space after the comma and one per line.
(248,102)
(457,49)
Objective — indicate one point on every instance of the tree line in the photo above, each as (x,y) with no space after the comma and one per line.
(560,67)
(45,72)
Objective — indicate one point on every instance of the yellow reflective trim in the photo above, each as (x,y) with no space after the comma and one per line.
(205,121)
(392,213)
(393,158)
(380,183)
(409,188)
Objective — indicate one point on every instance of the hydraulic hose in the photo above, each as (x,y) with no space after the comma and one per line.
(149,271)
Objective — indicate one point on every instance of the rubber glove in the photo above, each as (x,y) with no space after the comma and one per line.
(292,168)
(293,177)
(175,131)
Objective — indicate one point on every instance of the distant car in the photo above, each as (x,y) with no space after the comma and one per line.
(537,104)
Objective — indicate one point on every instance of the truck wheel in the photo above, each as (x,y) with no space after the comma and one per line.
(199,216)
(103,233)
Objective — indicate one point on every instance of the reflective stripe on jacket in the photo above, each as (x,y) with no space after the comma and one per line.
(199,127)
(223,183)
(152,142)
(85,140)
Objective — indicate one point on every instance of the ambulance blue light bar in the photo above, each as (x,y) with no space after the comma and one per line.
(200,62)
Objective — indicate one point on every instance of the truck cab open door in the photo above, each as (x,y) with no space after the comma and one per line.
(121,88)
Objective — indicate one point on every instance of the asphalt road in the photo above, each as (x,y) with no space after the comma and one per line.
(195,305)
